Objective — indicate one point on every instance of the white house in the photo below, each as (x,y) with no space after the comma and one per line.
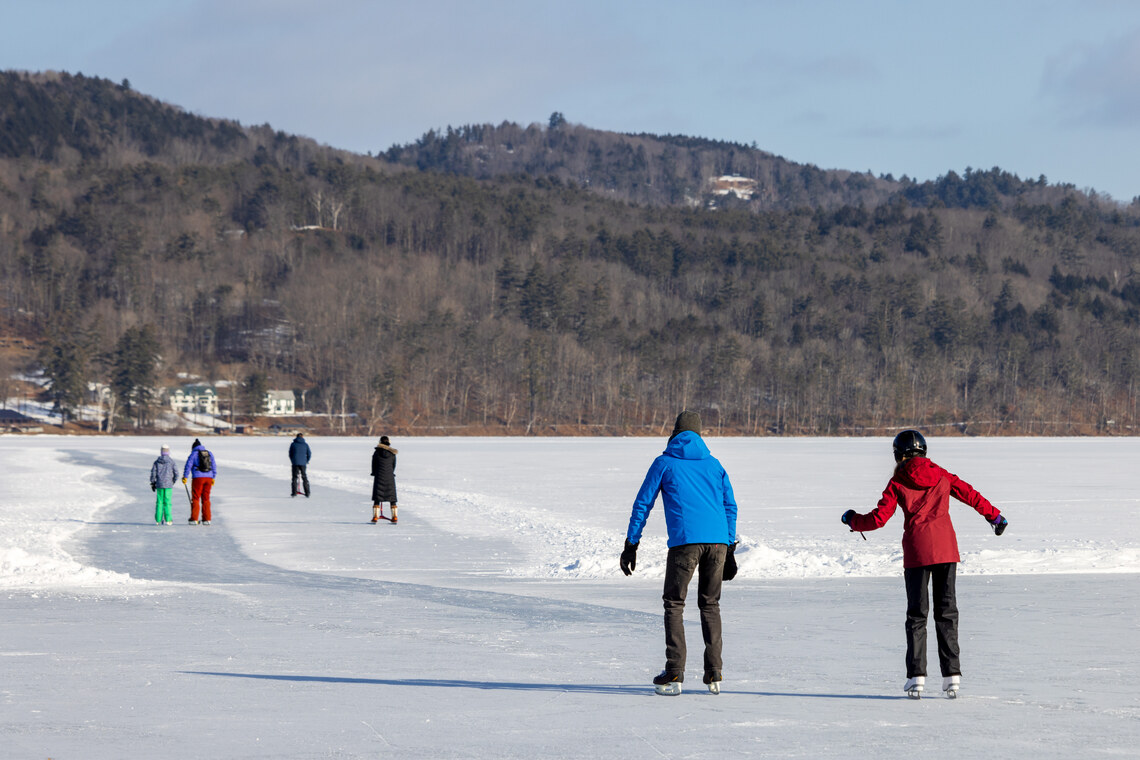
(198,399)
(280,402)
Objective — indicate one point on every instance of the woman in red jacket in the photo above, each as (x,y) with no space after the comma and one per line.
(930,552)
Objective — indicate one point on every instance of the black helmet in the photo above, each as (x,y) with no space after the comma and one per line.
(909,443)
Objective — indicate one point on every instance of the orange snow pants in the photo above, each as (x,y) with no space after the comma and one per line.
(200,494)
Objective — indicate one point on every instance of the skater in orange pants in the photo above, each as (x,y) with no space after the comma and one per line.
(204,469)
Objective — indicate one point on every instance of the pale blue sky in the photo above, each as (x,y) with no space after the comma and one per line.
(893,86)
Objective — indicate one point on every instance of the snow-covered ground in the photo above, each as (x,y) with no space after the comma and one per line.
(492,621)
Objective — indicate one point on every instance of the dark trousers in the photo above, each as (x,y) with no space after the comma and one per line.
(299,471)
(707,560)
(941,578)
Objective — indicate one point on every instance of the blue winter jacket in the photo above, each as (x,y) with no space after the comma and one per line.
(299,452)
(699,505)
(163,472)
(192,464)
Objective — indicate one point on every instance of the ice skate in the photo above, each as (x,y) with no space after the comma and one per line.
(914,687)
(950,686)
(668,684)
(712,680)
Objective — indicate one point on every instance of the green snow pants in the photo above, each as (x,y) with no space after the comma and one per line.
(162,505)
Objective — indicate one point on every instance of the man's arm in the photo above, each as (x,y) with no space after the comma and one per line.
(643,502)
(730,509)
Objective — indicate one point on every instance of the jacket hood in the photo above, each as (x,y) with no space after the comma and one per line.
(687,445)
(299,439)
(922,472)
(387,448)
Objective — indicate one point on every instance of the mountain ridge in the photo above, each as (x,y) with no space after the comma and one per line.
(551,277)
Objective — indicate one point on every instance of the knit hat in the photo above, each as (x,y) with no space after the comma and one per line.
(196,444)
(686,421)
(165,449)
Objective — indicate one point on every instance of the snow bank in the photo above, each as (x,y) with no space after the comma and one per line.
(46,501)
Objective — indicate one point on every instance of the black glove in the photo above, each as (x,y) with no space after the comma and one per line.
(629,558)
(729,563)
(846,519)
(999,525)
(153,487)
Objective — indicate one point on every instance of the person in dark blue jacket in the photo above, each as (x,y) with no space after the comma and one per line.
(700,517)
(299,456)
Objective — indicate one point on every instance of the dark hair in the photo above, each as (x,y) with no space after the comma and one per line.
(384,440)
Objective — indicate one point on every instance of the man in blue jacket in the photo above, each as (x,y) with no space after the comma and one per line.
(299,456)
(700,517)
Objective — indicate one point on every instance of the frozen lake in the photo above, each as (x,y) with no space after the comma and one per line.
(493,620)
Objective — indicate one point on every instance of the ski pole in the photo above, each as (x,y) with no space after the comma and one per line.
(191,501)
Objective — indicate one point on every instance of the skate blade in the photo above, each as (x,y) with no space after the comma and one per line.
(668,689)
(915,693)
(951,693)
(714,687)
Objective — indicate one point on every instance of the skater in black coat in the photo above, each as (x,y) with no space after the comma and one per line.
(383,479)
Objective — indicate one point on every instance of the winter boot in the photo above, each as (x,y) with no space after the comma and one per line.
(393,514)
(950,686)
(914,687)
(668,683)
(376,514)
(712,680)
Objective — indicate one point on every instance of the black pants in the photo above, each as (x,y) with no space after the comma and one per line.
(299,471)
(941,577)
(707,560)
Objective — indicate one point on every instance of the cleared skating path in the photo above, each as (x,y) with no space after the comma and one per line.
(210,555)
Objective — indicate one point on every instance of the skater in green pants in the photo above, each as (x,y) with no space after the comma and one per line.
(163,473)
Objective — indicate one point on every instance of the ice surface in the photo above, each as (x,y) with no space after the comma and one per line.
(493,621)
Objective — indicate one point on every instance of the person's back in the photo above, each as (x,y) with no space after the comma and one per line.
(700,517)
(163,473)
(299,452)
(930,552)
(693,486)
(203,467)
(299,456)
(384,479)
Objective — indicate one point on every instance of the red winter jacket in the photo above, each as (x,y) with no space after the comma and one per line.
(923,489)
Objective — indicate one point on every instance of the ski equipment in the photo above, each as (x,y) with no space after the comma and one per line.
(909,443)
(846,520)
(712,680)
(668,684)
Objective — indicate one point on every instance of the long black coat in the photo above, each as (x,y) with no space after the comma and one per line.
(384,475)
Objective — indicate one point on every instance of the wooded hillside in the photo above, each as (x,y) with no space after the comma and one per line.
(554,278)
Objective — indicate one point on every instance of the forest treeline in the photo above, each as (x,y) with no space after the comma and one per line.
(552,278)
